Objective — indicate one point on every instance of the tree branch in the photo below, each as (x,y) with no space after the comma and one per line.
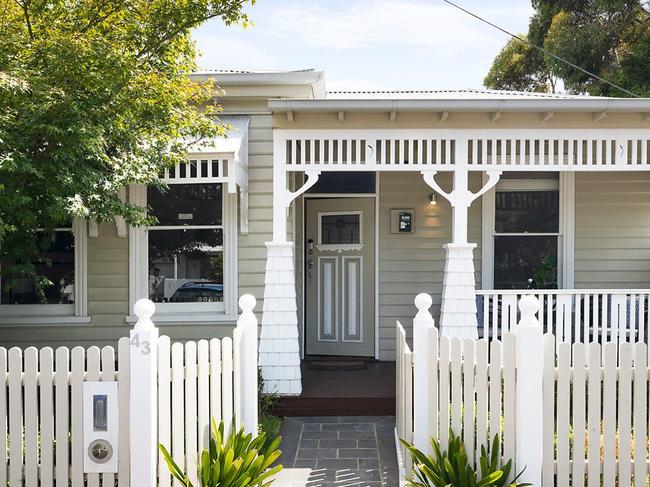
(25,8)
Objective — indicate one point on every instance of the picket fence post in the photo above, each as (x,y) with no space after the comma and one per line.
(528,397)
(424,426)
(144,396)
(247,322)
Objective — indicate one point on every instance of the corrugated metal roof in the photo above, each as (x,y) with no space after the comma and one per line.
(234,141)
(472,93)
(252,71)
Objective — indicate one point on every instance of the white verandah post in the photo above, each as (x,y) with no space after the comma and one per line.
(458,307)
(279,349)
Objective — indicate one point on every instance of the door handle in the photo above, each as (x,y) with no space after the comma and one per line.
(310,264)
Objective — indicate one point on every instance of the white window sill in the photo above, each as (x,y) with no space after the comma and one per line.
(169,319)
(43,320)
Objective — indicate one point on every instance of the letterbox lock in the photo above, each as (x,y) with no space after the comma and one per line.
(100,451)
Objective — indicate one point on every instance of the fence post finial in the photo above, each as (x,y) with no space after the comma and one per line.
(529,414)
(529,306)
(144,310)
(247,302)
(423,350)
(423,302)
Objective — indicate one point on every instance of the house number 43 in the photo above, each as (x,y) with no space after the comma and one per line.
(143,345)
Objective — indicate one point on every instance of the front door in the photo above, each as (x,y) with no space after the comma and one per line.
(340,276)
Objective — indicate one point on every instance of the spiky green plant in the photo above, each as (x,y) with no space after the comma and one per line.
(450,468)
(236,461)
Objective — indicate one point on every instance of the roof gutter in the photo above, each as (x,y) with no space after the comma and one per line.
(463,105)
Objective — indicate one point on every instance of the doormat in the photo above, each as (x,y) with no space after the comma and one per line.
(342,365)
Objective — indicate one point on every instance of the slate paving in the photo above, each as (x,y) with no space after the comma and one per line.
(338,451)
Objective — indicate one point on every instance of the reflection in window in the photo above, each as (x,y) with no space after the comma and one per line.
(526,234)
(340,229)
(527,211)
(517,257)
(186,246)
(56,265)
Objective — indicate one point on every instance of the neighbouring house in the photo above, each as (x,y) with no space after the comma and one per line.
(335,209)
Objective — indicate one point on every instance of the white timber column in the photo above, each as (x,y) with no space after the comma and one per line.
(458,308)
(279,348)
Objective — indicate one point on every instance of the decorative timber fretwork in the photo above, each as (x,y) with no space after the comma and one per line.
(440,149)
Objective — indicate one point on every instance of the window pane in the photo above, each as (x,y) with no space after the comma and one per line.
(340,229)
(186,204)
(516,258)
(60,273)
(527,211)
(186,265)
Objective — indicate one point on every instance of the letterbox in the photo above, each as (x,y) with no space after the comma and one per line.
(100,419)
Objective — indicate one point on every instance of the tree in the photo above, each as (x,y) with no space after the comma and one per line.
(605,37)
(520,67)
(94,96)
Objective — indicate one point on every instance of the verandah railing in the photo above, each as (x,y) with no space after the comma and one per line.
(572,315)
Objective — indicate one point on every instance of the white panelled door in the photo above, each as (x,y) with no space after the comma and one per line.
(340,276)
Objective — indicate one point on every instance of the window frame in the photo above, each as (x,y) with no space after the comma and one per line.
(199,312)
(58,314)
(565,185)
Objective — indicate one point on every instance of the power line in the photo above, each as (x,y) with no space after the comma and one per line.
(555,56)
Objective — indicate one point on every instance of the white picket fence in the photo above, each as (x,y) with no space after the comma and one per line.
(574,414)
(41,403)
(572,315)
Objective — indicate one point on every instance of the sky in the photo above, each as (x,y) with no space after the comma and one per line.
(367,44)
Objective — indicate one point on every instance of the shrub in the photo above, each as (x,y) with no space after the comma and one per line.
(235,461)
(450,468)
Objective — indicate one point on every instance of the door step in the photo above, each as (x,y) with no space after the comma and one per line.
(336,365)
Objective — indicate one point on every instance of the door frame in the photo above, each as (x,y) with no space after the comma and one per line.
(375,196)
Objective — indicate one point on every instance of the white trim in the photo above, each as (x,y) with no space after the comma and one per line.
(53,314)
(502,102)
(566,234)
(198,319)
(185,312)
(339,247)
(45,320)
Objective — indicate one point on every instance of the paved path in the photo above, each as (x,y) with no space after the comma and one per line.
(352,451)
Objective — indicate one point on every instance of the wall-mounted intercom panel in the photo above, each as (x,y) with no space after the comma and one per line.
(402,221)
(100,420)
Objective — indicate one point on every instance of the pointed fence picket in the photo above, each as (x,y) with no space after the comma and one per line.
(592,413)
(41,404)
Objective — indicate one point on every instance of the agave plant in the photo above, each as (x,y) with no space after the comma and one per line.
(450,468)
(236,461)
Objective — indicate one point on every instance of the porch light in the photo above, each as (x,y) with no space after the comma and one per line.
(432,199)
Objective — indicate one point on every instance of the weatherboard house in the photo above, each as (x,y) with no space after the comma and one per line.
(334,209)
